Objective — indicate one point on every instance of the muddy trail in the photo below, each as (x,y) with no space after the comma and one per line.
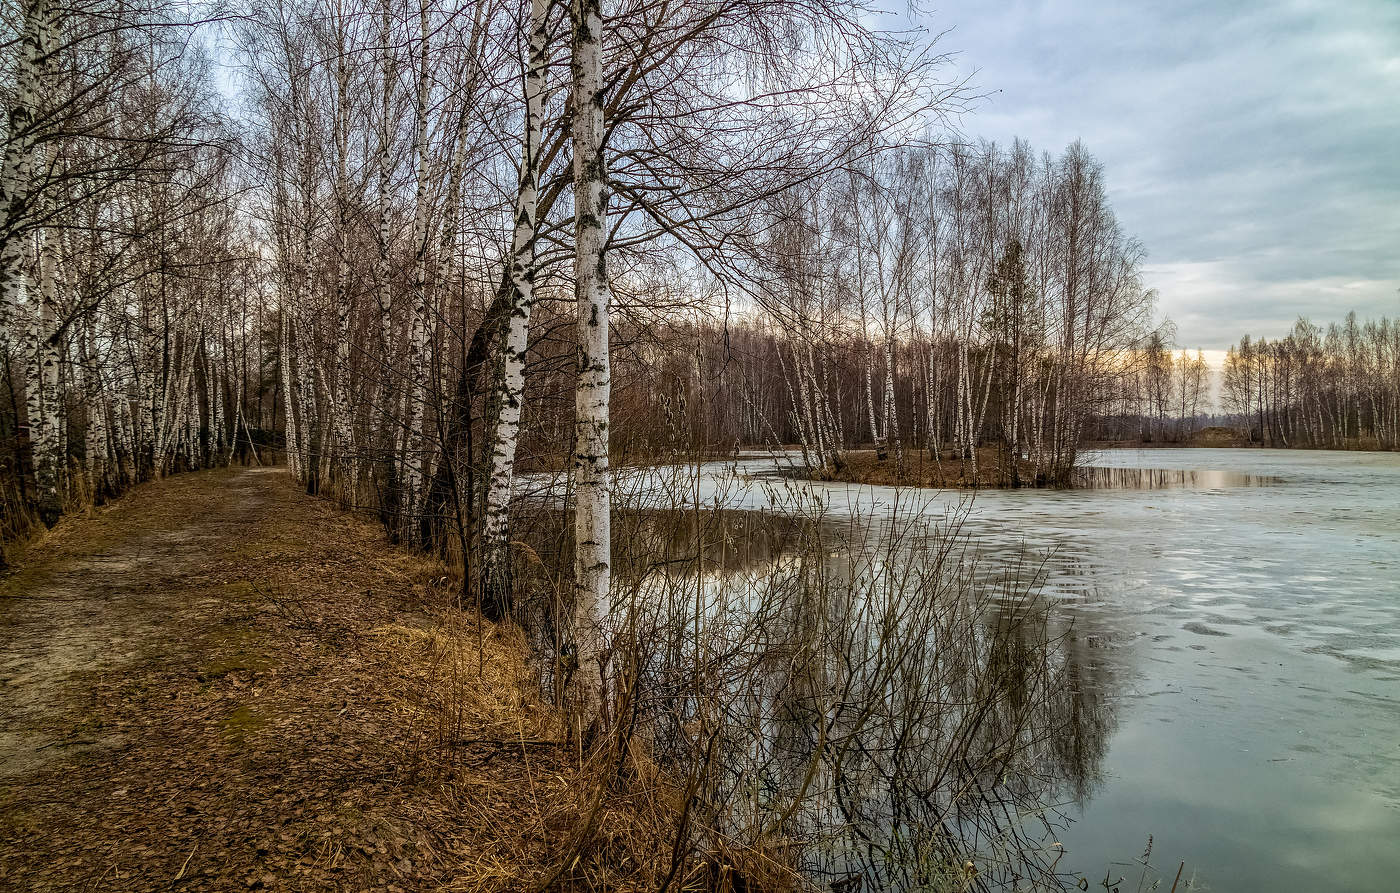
(219,683)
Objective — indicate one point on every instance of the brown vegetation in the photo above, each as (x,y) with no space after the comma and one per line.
(920,469)
(1217,436)
(1213,436)
(217,681)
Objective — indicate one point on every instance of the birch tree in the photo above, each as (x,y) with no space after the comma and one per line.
(592,484)
(511,380)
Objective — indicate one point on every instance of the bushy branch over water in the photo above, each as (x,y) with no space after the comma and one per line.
(850,701)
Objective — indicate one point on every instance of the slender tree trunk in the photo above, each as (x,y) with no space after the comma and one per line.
(870,395)
(892,435)
(43,397)
(345,459)
(96,446)
(39,34)
(414,461)
(798,413)
(496,583)
(290,433)
(382,268)
(592,485)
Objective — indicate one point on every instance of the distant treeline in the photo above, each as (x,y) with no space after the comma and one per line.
(1338,389)
(738,384)
(942,299)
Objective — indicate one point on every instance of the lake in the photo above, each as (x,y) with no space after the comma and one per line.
(1239,610)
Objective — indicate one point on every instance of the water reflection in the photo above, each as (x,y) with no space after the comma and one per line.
(1110,478)
(1265,758)
(907,714)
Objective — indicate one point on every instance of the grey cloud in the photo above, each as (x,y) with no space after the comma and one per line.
(1255,145)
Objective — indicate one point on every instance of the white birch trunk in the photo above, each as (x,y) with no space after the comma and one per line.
(285,365)
(346,461)
(799,421)
(41,401)
(892,437)
(386,399)
(592,497)
(126,433)
(95,394)
(934,409)
(495,531)
(412,474)
(870,392)
(32,63)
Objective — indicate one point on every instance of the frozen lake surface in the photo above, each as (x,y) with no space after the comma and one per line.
(1241,611)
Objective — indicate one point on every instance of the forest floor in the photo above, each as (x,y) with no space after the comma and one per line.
(220,683)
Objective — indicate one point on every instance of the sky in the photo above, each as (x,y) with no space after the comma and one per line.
(1252,146)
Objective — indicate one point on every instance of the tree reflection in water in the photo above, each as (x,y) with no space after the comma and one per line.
(864,704)
(1165,479)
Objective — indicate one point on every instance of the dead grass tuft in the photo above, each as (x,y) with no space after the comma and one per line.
(468,679)
(529,811)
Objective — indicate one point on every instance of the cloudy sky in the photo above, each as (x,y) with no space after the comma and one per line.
(1253,146)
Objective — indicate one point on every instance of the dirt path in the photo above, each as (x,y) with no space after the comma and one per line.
(219,683)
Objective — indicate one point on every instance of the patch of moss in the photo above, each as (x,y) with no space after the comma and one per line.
(243,721)
(230,649)
(239,589)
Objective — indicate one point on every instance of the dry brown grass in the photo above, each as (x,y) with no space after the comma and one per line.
(531,810)
(301,707)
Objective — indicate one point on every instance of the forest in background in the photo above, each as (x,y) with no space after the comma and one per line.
(1334,390)
(366,264)
(415,252)
(370,266)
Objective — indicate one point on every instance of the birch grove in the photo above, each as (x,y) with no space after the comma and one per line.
(990,296)
(434,251)
(130,328)
(1338,389)
(444,187)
